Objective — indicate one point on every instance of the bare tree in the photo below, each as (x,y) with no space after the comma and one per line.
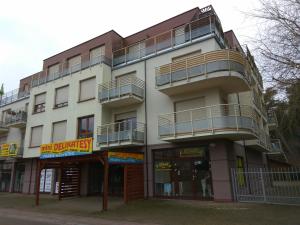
(278,40)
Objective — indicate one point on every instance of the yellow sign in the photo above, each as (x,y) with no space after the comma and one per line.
(8,150)
(67,148)
(125,157)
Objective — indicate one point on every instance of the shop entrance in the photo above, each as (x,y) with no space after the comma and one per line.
(183,173)
(5,176)
(19,177)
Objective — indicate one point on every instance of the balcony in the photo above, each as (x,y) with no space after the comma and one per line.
(272,120)
(223,68)
(262,143)
(3,128)
(121,134)
(234,122)
(16,118)
(206,26)
(44,77)
(122,92)
(276,147)
(13,96)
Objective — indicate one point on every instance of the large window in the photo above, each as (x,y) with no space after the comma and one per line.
(85,127)
(61,96)
(87,89)
(183,172)
(39,103)
(36,136)
(59,131)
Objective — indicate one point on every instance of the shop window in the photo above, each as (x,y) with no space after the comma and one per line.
(86,127)
(36,136)
(61,97)
(183,173)
(39,103)
(59,131)
(87,89)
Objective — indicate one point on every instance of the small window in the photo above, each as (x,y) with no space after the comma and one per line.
(59,131)
(87,89)
(36,136)
(61,97)
(85,127)
(39,103)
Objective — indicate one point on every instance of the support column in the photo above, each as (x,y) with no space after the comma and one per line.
(220,168)
(105,185)
(12,177)
(37,181)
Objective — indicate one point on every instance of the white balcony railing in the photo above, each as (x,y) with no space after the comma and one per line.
(131,86)
(209,120)
(125,132)
(202,64)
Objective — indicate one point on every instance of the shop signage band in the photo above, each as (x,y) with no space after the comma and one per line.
(67,148)
(125,157)
(8,150)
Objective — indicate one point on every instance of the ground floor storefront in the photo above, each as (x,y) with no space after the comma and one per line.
(12,175)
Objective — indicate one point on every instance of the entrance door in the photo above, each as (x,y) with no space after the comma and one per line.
(19,178)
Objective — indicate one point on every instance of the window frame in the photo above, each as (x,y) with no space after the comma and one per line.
(79,123)
(52,131)
(31,129)
(36,106)
(64,104)
(88,99)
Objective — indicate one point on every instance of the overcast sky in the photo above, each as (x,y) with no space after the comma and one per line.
(31,31)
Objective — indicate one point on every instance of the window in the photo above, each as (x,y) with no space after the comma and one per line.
(179,35)
(87,89)
(194,103)
(74,63)
(59,131)
(39,103)
(61,96)
(125,121)
(36,136)
(96,53)
(85,127)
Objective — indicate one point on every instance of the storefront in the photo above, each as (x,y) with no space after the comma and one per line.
(182,173)
(5,176)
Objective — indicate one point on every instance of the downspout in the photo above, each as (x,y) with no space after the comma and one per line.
(146,127)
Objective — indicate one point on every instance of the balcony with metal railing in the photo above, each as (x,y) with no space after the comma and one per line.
(125,133)
(13,96)
(272,120)
(16,118)
(208,25)
(44,77)
(121,92)
(262,143)
(231,121)
(227,69)
(3,127)
(276,146)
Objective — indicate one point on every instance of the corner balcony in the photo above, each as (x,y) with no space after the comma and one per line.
(121,134)
(225,69)
(122,92)
(230,121)
(3,128)
(262,143)
(16,118)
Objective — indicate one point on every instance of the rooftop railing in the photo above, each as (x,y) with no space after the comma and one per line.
(207,24)
(131,86)
(13,96)
(121,132)
(202,64)
(208,120)
(44,77)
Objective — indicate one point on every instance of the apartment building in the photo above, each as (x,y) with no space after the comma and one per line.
(170,109)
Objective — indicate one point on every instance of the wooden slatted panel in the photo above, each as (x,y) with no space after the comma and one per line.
(236,56)
(70,182)
(179,65)
(216,56)
(133,182)
(195,60)
(164,69)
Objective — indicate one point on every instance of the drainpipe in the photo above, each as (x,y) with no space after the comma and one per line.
(146,127)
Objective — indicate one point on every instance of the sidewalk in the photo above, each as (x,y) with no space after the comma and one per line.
(55,219)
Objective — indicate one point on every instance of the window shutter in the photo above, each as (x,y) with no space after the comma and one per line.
(97,52)
(124,116)
(74,62)
(53,70)
(61,95)
(190,104)
(59,131)
(39,99)
(87,89)
(36,136)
